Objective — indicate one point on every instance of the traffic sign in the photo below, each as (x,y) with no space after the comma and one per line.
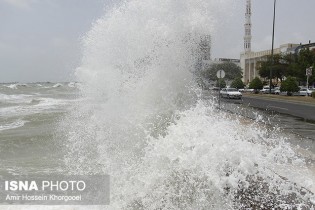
(309,71)
(220,74)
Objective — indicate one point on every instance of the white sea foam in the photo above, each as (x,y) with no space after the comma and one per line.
(144,125)
(72,84)
(205,158)
(36,105)
(18,98)
(13,125)
(141,120)
(57,85)
(16,85)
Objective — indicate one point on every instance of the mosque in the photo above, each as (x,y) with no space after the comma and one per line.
(249,60)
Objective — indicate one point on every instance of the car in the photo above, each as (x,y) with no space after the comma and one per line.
(284,93)
(277,90)
(246,90)
(267,90)
(231,93)
(214,88)
(249,90)
(305,92)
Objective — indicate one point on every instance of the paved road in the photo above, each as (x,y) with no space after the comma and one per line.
(299,109)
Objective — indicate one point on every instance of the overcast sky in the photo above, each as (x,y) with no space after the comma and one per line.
(40,39)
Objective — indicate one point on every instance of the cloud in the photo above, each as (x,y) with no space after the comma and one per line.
(263,44)
(22,4)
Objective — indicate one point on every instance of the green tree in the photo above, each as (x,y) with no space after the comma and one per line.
(279,67)
(305,59)
(221,83)
(256,84)
(289,85)
(237,83)
(285,65)
(232,71)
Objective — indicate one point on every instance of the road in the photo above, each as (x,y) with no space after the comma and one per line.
(298,109)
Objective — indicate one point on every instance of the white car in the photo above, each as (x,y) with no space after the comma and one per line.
(305,91)
(246,90)
(230,93)
(277,90)
(266,90)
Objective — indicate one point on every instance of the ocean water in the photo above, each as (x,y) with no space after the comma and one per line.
(28,122)
(138,115)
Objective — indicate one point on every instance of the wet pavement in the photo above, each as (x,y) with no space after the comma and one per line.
(297,119)
(302,110)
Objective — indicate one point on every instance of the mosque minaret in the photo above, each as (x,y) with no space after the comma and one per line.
(248,27)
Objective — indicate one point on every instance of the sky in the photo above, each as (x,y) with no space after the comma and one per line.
(40,39)
(294,24)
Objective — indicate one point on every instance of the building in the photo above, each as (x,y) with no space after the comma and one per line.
(249,60)
(232,60)
(310,46)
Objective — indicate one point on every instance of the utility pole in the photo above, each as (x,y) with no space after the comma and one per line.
(273,36)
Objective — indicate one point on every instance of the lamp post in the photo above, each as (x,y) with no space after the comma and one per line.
(273,35)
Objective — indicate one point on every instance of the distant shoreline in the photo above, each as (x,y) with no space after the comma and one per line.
(47,82)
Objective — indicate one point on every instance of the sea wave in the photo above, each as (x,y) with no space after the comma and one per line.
(57,85)
(214,160)
(13,125)
(15,98)
(35,105)
(146,126)
(16,85)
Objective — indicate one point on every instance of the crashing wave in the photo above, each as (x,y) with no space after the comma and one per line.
(57,85)
(13,125)
(142,120)
(16,86)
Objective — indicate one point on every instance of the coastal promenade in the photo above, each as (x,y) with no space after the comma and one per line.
(299,106)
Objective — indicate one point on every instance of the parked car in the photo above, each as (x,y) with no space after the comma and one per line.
(277,90)
(249,90)
(241,90)
(305,92)
(266,90)
(246,90)
(231,93)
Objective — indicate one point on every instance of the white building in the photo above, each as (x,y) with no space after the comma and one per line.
(249,60)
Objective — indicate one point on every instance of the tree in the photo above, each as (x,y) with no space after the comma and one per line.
(256,84)
(231,69)
(221,83)
(288,64)
(289,85)
(237,83)
(279,67)
(305,59)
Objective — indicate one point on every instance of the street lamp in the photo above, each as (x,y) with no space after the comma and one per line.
(273,35)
